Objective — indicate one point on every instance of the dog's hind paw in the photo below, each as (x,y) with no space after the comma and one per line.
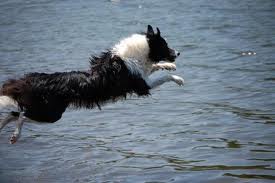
(14,139)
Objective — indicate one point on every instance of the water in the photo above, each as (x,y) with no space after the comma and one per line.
(219,127)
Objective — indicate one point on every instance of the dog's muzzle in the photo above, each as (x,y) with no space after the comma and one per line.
(173,54)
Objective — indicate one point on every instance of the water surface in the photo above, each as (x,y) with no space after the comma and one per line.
(219,127)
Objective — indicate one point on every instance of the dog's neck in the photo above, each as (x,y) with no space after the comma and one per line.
(135,47)
(134,50)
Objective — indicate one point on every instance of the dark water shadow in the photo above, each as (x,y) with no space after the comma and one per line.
(251,176)
(255,114)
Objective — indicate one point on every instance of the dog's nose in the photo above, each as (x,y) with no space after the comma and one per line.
(177,53)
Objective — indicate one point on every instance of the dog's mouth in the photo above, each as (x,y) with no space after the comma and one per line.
(171,59)
(173,55)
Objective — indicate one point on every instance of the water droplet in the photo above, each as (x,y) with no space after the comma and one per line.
(248,53)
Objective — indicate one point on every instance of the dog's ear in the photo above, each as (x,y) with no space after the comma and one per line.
(150,31)
(158,32)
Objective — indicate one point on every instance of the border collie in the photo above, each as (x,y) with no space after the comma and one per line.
(122,70)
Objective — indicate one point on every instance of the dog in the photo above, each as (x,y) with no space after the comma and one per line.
(114,74)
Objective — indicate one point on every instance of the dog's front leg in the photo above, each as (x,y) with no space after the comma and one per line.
(17,132)
(153,83)
(165,65)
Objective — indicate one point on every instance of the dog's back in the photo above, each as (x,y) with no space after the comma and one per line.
(44,97)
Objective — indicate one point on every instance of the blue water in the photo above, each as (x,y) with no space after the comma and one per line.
(218,127)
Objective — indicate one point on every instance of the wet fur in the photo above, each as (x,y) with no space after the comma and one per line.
(44,97)
(113,75)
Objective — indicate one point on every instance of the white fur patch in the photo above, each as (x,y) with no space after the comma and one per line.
(135,46)
(7,103)
(134,50)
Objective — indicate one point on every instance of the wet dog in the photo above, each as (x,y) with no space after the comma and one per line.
(123,70)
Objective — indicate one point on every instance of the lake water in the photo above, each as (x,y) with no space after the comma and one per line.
(218,127)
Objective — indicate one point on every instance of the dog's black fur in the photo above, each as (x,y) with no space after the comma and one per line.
(44,97)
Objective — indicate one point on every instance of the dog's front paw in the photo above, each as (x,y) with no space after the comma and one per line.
(178,80)
(166,66)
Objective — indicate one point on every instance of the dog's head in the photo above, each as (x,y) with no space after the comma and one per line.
(149,46)
(158,47)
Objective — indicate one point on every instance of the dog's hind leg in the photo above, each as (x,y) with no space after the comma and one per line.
(17,132)
(11,117)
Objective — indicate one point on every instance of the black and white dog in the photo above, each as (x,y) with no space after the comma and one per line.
(123,70)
